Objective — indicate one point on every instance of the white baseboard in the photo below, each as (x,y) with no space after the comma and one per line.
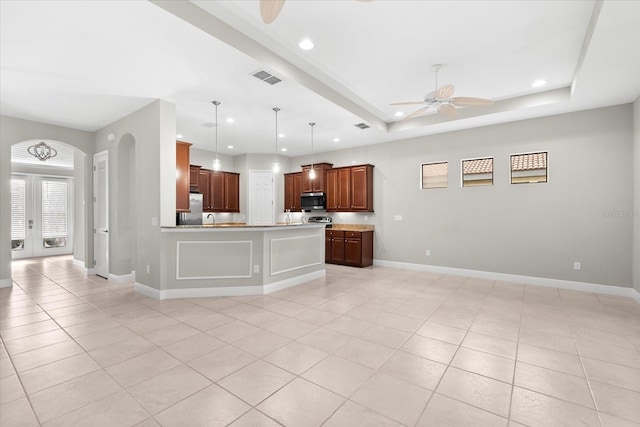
(81,264)
(6,283)
(527,280)
(294,281)
(226,291)
(124,278)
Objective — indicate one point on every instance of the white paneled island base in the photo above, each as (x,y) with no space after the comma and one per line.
(212,261)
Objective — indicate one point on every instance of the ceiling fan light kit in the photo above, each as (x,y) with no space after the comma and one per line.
(441,100)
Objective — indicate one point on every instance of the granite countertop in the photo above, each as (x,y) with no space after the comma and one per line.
(352,227)
(241,225)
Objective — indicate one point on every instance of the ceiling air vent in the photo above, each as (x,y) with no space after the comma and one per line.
(266,77)
(362,126)
(209,125)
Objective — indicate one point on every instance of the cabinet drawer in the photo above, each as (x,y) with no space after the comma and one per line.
(334,233)
(353,234)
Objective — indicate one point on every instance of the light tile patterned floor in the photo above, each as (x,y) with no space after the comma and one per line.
(363,347)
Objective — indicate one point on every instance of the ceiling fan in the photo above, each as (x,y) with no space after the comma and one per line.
(442,101)
(270,9)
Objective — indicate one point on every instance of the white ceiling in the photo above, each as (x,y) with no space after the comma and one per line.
(85,64)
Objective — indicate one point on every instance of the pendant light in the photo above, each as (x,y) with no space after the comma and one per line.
(216,162)
(276,166)
(312,172)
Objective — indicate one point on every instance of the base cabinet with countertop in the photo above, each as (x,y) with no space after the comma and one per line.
(349,247)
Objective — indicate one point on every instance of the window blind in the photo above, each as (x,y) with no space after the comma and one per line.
(54,208)
(18,229)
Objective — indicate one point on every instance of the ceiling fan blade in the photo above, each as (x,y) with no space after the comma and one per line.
(449,111)
(464,101)
(416,113)
(408,103)
(270,9)
(445,92)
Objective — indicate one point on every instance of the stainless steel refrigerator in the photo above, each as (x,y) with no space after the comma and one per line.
(195,216)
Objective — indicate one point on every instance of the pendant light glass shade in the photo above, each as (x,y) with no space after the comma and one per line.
(312,171)
(216,162)
(276,165)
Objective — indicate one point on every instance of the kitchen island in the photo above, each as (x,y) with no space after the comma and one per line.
(236,259)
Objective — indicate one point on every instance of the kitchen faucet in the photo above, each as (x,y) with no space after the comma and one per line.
(212,216)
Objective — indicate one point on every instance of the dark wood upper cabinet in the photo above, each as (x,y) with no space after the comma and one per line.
(231,192)
(220,191)
(216,191)
(194,177)
(292,191)
(182,176)
(318,183)
(362,188)
(350,189)
(203,187)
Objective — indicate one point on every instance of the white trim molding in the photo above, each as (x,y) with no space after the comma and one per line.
(6,283)
(124,278)
(249,255)
(526,280)
(78,263)
(225,291)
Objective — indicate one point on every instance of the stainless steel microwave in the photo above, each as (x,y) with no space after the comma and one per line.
(313,202)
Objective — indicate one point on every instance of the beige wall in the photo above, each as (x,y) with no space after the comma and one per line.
(534,230)
(13,130)
(151,135)
(636,194)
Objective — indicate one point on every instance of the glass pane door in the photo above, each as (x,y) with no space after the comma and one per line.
(41,216)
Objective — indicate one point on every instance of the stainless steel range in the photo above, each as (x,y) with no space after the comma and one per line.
(321,219)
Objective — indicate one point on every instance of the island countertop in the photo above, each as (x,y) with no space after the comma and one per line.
(236,226)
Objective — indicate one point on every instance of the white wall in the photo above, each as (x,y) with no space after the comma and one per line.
(13,130)
(527,229)
(636,194)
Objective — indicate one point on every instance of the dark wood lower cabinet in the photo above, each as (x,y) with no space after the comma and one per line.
(354,248)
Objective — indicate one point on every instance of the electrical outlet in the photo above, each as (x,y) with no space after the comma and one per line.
(398,217)
(366,218)
(577,265)
(428,252)
(148,269)
(256,268)
(154,220)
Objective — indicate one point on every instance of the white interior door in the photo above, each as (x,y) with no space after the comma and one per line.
(101,213)
(41,216)
(261,198)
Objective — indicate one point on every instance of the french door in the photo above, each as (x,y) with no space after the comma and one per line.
(41,216)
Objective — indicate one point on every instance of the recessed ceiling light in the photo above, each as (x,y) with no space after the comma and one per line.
(230,120)
(336,139)
(179,136)
(306,44)
(399,114)
(283,149)
(281,135)
(230,147)
(539,83)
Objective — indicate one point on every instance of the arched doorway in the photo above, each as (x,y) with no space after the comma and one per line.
(47,215)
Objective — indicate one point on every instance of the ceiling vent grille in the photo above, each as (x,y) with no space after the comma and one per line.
(362,126)
(209,125)
(266,77)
